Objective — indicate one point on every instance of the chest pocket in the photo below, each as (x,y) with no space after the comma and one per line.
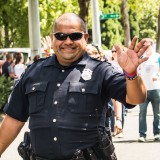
(83,97)
(36,95)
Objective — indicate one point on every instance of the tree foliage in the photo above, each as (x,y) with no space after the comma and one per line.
(13,23)
(50,10)
(143,16)
(5,89)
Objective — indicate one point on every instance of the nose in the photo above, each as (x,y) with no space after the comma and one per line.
(68,40)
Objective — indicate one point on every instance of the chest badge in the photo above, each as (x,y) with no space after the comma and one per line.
(86,74)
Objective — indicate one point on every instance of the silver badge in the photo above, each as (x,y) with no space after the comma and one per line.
(87,74)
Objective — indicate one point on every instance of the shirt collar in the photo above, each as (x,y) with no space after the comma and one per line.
(53,61)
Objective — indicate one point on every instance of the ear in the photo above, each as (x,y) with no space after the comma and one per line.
(86,36)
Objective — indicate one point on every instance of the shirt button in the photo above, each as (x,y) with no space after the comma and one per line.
(55,102)
(58,84)
(54,120)
(33,88)
(83,90)
(63,70)
(55,138)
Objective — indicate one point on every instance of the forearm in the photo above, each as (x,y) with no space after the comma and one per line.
(136,91)
(12,75)
(117,108)
(8,132)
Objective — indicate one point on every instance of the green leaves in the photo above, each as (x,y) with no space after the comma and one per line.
(143,15)
(5,90)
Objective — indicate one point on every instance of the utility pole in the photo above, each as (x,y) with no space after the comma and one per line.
(34,27)
(96,33)
(158,34)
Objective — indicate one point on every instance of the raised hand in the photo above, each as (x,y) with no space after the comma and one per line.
(46,43)
(130,58)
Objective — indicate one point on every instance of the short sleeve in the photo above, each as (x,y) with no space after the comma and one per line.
(17,106)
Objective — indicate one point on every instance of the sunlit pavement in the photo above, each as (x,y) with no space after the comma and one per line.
(127,148)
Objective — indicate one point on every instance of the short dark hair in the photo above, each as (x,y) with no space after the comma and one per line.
(18,57)
(36,57)
(69,16)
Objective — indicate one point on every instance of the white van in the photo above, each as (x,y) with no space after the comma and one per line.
(26,52)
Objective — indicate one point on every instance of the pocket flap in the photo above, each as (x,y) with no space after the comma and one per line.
(91,87)
(39,86)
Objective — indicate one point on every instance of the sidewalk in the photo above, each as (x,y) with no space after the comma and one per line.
(127,148)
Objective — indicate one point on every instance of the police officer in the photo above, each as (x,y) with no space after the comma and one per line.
(61,95)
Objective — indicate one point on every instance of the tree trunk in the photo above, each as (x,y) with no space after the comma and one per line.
(83,13)
(125,21)
(158,34)
(6,29)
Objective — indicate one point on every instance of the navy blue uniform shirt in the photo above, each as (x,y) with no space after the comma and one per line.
(64,103)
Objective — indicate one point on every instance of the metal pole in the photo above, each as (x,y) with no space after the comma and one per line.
(34,28)
(96,33)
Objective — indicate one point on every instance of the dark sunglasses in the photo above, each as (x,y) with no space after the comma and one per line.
(73,36)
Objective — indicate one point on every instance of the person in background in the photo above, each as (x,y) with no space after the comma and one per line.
(1,63)
(2,60)
(118,114)
(94,51)
(7,65)
(63,95)
(150,73)
(19,66)
(36,57)
(47,46)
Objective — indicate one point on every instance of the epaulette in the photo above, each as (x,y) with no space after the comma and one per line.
(41,59)
(97,60)
(38,60)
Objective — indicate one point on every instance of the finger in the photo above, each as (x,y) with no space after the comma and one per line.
(115,130)
(118,131)
(133,43)
(42,42)
(143,50)
(118,49)
(48,39)
(143,44)
(141,60)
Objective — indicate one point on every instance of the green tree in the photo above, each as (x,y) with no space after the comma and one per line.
(5,90)
(143,16)
(125,23)
(84,9)
(158,33)
(14,23)
(50,10)
(111,29)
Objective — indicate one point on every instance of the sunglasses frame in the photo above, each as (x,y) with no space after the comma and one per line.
(70,35)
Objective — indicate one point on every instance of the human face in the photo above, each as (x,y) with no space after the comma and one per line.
(67,50)
(114,53)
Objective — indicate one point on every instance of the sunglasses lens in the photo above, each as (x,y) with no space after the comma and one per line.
(75,36)
(61,36)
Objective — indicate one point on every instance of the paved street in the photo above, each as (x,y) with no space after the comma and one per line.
(127,148)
